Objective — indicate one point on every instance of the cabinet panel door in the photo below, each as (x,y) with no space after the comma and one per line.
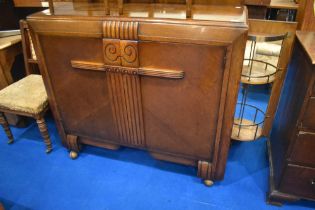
(181,115)
(82,96)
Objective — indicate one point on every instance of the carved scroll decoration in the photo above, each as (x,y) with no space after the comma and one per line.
(120,52)
(129,53)
(119,44)
(111,51)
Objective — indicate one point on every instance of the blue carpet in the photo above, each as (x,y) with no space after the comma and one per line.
(127,179)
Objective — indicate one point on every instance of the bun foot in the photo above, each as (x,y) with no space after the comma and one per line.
(208,182)
(73,155)
(48,150)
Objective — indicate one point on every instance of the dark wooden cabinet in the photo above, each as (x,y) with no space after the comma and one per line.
(292,140)
(160,82)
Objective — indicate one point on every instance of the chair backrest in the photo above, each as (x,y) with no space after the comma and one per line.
(30,59)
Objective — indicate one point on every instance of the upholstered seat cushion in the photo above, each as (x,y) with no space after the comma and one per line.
(26,95)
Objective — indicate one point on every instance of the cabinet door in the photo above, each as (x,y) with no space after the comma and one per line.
(82,96)
(181,115)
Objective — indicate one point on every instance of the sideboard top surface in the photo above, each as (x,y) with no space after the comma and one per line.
(235,15)
(307,39)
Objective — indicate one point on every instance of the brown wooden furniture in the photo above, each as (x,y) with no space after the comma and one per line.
(258,9)
(30,3)
(282,10)
(292,140)
(44,3)
(157,81)
(306,15)
(26,97)
(283,4)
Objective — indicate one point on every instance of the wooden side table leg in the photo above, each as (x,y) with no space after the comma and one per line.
(44,131)
(5,125)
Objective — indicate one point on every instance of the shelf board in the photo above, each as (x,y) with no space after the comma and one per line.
(283,4)
(30,3)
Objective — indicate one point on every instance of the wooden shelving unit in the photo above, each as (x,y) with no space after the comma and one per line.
(259,9)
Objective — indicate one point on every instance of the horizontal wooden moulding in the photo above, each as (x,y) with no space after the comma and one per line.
(151,72)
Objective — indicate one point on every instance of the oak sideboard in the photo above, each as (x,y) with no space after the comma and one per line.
(150,78)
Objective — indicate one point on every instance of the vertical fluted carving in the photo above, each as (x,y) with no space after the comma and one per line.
(4,123)
(44,132)
(120,30)
(126,106)
(128,30)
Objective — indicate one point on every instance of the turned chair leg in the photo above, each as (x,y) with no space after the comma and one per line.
(5,125)
(44,131)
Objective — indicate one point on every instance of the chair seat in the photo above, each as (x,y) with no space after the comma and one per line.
(27,95)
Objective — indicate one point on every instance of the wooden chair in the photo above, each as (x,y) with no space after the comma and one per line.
(26,97)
